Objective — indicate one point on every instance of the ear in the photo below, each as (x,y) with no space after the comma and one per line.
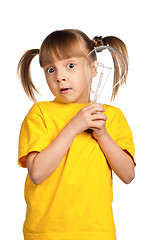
(94,67)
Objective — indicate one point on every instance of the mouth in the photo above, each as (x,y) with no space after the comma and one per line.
(65,90)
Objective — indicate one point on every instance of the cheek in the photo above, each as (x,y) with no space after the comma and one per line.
(82,81)
(86,78)
(51,85)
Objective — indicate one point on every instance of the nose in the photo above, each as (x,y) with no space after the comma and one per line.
(60,76)
(60,80)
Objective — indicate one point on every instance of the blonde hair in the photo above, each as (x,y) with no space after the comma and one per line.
(66,44)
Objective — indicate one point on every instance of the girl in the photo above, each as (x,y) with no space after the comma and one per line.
(68,188)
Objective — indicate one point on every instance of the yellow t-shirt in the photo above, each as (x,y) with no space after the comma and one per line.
(75,201)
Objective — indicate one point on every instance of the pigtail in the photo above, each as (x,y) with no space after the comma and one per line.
(23,71)
(120,46)
(118,63)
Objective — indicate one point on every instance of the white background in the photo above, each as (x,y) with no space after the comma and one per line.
(24,25)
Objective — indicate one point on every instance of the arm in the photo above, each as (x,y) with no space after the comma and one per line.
(42,165)
(119,161)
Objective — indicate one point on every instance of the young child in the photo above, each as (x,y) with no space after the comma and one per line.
(68,188)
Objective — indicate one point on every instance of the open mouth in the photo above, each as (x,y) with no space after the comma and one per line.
(64,90)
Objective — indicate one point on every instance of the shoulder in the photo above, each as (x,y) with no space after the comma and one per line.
(37,112)
(40,107)
(112,111)
(115,116)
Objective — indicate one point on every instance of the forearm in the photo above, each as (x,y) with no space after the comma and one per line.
(119,161)
(45,162)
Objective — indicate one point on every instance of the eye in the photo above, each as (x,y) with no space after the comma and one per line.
(50,70)
(71,65)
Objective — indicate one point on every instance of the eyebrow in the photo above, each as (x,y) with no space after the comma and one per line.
(71,59)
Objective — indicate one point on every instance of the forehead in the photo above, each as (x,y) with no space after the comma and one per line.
(56,51)
(55,61)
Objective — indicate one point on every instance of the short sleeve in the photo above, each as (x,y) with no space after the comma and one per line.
(33,135)
(124,137)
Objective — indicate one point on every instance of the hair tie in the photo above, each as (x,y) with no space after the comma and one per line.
(98,41)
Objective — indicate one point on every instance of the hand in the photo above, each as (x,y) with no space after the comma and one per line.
(90,117)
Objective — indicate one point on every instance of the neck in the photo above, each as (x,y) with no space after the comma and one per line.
(63,102)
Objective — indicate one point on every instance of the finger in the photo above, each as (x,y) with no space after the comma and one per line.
(95,107)
(98,124)
(94,128)
(99,116)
